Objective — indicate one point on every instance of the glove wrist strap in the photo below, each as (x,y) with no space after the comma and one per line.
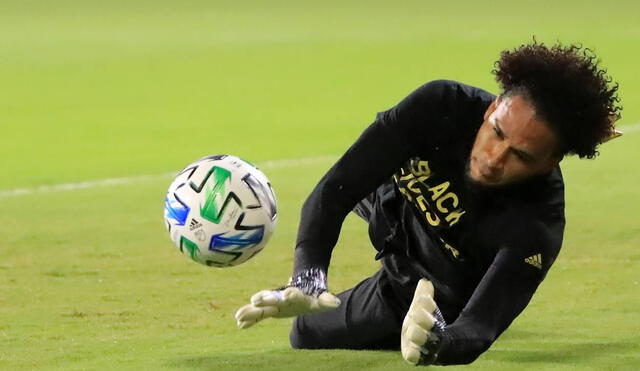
(311,281)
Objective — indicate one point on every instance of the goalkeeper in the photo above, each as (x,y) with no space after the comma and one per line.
(464,199)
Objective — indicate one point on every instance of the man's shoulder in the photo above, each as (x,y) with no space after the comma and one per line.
(445,98)
(454,90)
(442,106)
(447,101)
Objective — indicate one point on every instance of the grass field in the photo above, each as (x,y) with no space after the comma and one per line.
(119,94)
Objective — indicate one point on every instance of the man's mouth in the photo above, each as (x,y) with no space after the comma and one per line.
(487,175)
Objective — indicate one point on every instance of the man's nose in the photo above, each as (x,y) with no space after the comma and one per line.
(498,157)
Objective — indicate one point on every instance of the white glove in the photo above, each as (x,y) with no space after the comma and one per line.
(421,328)
(306,293)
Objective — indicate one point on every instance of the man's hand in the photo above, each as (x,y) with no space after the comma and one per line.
(420,338)
(306,293)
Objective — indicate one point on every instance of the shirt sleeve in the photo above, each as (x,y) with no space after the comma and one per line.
(395,136)
(519,266)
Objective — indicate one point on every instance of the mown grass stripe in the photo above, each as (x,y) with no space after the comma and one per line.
(270,164)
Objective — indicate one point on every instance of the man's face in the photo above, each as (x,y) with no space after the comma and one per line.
(512,144)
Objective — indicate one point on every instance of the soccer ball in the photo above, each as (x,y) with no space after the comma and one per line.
(220,210)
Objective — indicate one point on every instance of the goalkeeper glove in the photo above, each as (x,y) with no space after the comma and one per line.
(305,293)
(422,327)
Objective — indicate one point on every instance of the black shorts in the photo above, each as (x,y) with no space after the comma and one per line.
(369,317)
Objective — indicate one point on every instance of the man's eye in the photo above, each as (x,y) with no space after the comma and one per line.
(522,157)
(498,132)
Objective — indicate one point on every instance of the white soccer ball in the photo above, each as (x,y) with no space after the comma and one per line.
(220,211)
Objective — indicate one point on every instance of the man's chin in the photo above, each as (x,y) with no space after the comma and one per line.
(482,183)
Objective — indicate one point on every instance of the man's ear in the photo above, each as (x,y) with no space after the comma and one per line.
(613,133)
(492,107)
(553,161)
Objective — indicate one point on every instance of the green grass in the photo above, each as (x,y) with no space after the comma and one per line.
(90,90)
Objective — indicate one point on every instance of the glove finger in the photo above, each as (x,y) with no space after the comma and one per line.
(246,324)
(242,311)
(293,295)
(426,302)
(327,300)
(416,334)
(253,313)
(421,317)
(411,353)
(266,297)
(424,287)
(405,324)
(295,298)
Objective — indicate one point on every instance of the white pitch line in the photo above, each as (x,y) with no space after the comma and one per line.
(294,162)
(80,185)
(273,164)
(631,128)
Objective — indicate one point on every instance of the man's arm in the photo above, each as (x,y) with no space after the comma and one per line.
(519,266)
(501,296)
(397,135)
(528,240)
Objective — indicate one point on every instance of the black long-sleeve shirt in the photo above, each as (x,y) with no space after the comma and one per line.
(486,251)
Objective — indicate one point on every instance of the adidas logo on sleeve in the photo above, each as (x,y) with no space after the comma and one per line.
(535,260)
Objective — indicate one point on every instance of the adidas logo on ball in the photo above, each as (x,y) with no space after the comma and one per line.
(194,225)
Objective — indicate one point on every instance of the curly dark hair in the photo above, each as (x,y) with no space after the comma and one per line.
(568,90)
